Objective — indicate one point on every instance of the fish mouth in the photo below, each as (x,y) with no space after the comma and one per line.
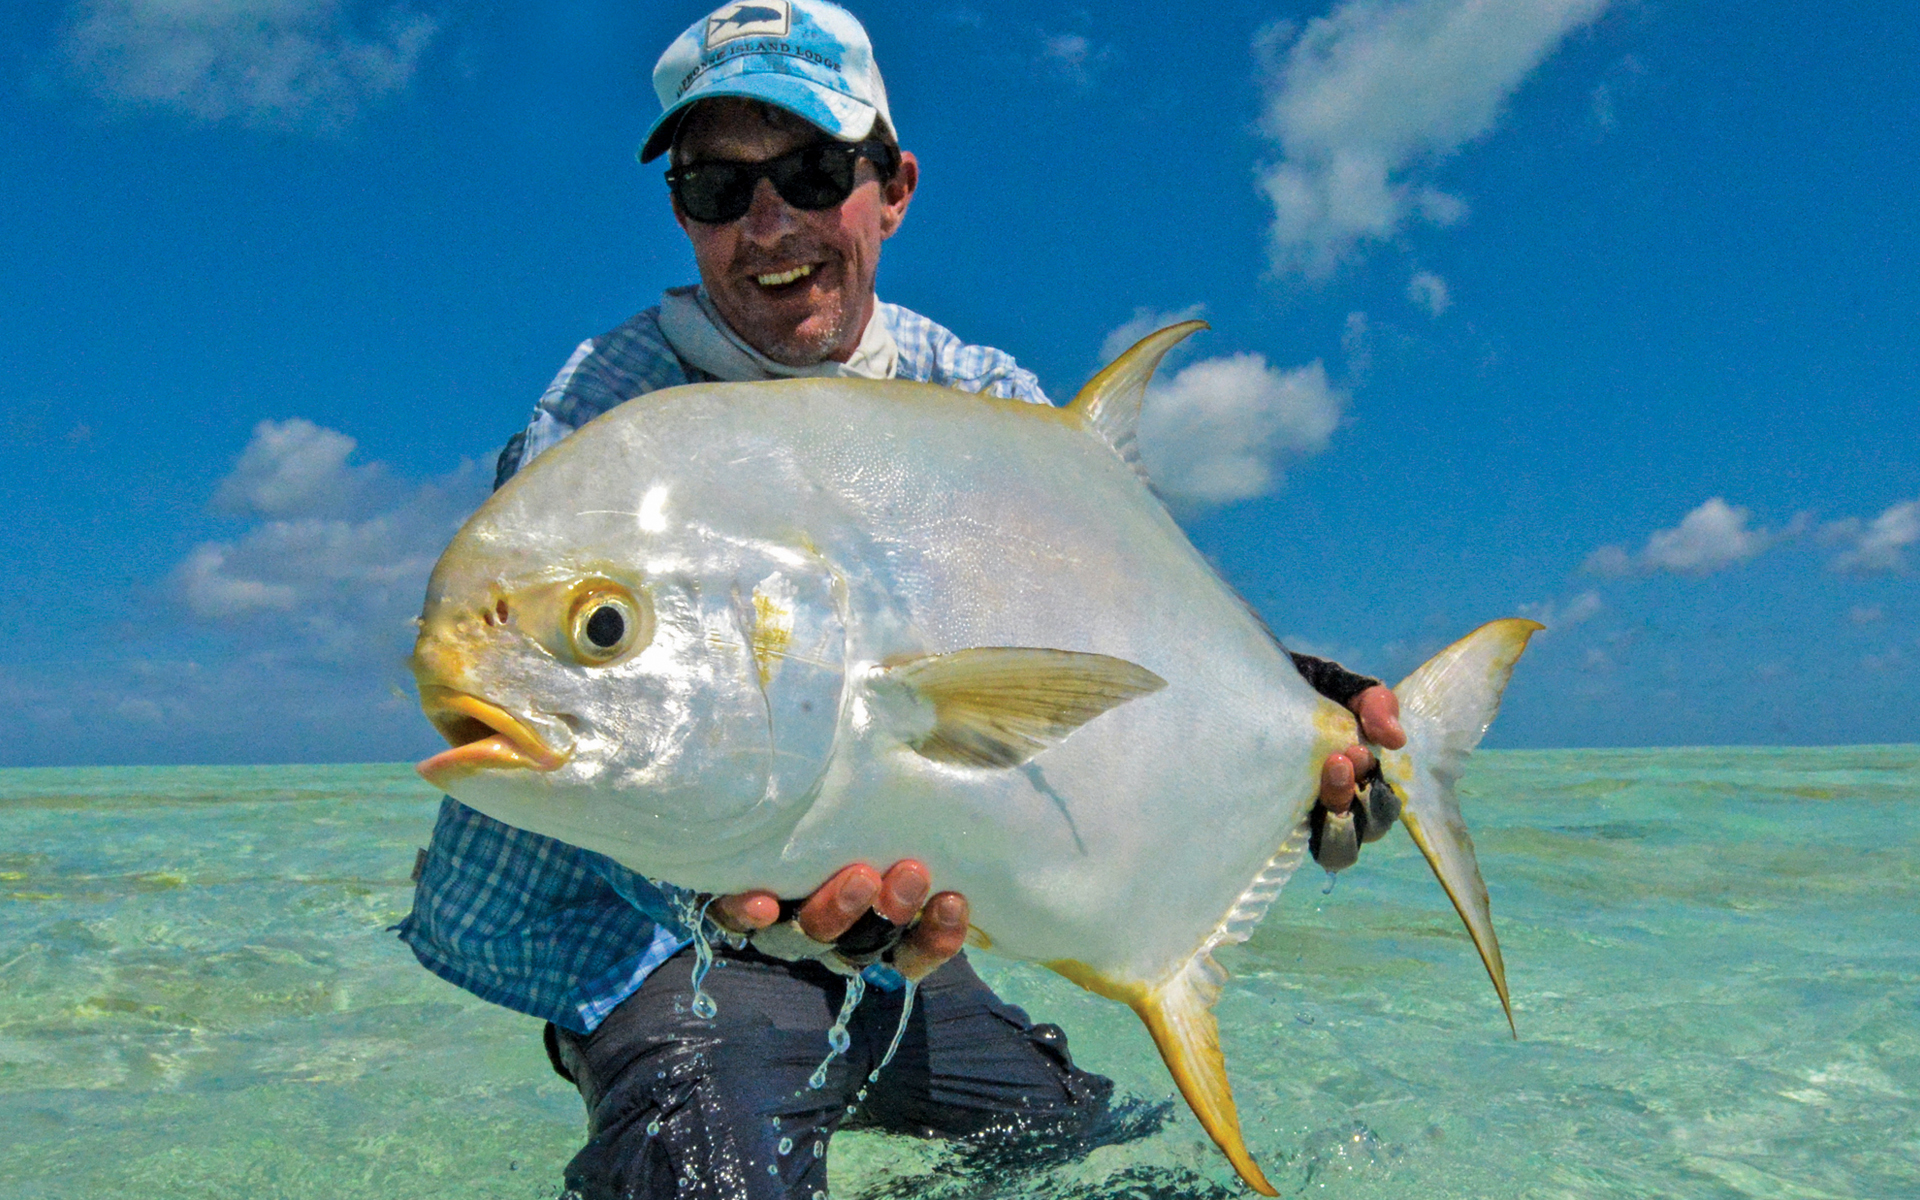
(483,736)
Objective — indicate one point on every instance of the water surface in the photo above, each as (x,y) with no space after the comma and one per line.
(1713,957)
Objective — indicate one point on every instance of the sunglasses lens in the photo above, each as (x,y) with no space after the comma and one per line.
(715,193)
(811,178)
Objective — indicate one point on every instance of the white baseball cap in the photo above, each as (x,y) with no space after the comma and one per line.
(806,56)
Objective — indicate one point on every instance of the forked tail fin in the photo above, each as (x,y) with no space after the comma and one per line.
(1446,707)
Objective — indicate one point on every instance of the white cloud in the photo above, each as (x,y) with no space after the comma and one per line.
(1373,93)
(1878,546)
(295,468)
(311,64)
(1866,614)
(1566,615)
(1356,342)
(1075,57)
(1622,78)
(1219,430)
(1711,538)
(1429,291)
(343,552)
(213,592)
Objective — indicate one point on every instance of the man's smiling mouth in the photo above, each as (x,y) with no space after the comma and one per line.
(776,279)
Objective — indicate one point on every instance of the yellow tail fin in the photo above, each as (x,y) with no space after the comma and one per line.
(1179,1014)
(1446,707)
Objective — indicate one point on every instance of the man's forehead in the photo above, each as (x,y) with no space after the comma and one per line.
(734,123)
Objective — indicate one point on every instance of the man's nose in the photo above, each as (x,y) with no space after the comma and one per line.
(769,218)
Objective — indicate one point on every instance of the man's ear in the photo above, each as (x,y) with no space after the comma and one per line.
(899,194)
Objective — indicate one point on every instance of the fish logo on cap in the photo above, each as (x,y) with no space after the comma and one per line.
(769,19)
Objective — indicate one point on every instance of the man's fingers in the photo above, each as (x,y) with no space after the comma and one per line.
(1362,760)
(839,902)
(745,912)
(941,933)
(903,890)
(1336,783)
(1379,712)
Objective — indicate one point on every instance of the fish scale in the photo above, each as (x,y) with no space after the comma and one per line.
(867,621)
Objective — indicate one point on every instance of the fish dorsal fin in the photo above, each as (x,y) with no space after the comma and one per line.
(1110,402)
(998,706)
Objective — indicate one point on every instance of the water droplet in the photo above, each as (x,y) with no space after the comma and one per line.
(776,1122)
(1331,880)
(786,1147)
(861,1094)
(659,1074)
(773,1168)
(819,1149)
(819,1195)
(838,1039)
(653,1128)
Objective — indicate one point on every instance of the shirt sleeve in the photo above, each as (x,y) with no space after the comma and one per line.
(932,353)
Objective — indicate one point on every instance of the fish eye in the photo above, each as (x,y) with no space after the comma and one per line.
(606,622)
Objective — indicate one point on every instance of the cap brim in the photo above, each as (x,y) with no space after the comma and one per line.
(838,116)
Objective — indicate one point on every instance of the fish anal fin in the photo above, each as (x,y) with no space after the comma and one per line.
(1109,403)
(1178,1013)
(999,706)
(1446,707)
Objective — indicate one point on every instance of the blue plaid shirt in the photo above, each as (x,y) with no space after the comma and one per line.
(535,924)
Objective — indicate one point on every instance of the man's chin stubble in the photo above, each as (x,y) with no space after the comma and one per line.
(801,349)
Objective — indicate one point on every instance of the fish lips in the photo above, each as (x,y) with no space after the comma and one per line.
(483,736)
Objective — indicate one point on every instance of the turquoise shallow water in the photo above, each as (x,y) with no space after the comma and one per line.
(1713,954)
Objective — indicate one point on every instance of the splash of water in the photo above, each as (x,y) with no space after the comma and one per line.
(899,1030)
(838,1039)
(693,914)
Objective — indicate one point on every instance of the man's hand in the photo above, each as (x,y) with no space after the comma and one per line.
(837,904)
(1379,712)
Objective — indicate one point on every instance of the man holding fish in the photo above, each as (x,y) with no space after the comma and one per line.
(786,177)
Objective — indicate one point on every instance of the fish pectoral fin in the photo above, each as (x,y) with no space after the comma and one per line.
(1178,1013)
(998,706)
(1446,707)
(1109,404)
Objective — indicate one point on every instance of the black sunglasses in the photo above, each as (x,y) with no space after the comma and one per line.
(813,177)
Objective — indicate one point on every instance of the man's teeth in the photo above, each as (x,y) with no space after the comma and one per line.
(779,278)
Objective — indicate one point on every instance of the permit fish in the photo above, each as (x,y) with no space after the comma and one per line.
(740,635)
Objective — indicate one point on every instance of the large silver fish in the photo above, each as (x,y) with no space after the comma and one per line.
(740,635)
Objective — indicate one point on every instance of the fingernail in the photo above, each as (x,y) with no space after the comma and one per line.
(856,895)
(912,894)
(946,910)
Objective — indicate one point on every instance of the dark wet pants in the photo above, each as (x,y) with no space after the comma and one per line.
(680,1106)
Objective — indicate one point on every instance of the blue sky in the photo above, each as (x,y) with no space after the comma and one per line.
(1602,312)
